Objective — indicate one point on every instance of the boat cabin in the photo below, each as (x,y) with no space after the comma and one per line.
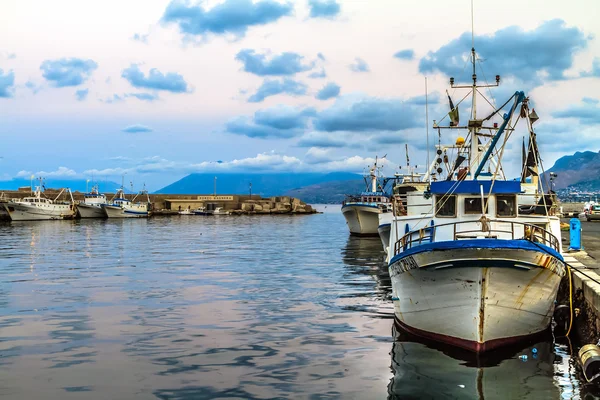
(37,200)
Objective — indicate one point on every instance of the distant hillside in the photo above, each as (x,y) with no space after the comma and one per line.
(580,170)
(76,185)
(271,184)
(328,192)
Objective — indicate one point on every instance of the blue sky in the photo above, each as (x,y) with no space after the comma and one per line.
(160,89)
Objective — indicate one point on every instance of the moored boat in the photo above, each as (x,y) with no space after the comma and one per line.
(91,206)
(121,207)
(39,208)
(362,212)
(474,271)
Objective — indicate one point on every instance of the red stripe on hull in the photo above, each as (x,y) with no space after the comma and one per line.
(470,345)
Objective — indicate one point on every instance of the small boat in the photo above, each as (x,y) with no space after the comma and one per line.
(91,206)
(187,211)
(473,271)
(121,207)
(220,211)
(362,212)
(37,207)
(202,211)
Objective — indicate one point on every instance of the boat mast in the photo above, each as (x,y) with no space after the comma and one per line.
(374,177)
(474,161)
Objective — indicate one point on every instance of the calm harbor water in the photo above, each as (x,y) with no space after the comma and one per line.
(193,307)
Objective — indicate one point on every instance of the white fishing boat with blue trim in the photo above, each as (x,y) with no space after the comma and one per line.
(475,272)
(121,207)
(362,212)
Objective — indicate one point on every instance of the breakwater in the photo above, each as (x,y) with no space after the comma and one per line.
(171,204)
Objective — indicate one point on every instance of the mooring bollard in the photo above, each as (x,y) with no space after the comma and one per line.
(575,234)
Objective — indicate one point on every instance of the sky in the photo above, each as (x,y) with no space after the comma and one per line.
(155,90)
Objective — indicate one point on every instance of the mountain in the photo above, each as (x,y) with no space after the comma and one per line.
(268,184)
(328,192)
(76,185)
(580,171)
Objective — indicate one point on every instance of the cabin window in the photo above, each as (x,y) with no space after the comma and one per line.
(506,206)
(445,206)
(473,205)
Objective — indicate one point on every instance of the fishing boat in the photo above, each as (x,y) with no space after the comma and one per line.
(37,207)
(202,211)
(473,271)
(407,199)
(362,212)
(91,206)
(121,207)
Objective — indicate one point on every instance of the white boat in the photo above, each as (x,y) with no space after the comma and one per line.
(121,207)
(202,211)
(220,211)
(473,271)
(362,212)
(91,206)
(187,211)
(407,199)
(37,207)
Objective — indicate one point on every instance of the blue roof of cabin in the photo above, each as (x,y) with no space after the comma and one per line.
(473,187)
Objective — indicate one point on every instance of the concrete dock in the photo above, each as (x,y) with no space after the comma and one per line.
(586,291)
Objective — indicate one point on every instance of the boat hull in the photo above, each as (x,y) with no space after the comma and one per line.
(476,298)
(90,211)
(362,220)
(26,212)
(384,235)
(123,212)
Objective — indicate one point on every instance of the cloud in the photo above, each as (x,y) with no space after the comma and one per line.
(323,8)
(7,84)
(546,51)
(320,139)
(318,74)
(359,65)
(156,80)
(286,63)
(67,71)
(280,122)
(61,172)
(33,87)
(432,98)
(274,87)
(268,161)
(82,94)
(316,155)
(359,113)
(115,98)
(143,96)
(595,71)
(229,17)
(587,113)
(407,54)
(137,128)
(328,91)
(589,100)
(140,37)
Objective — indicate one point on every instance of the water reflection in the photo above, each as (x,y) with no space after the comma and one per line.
(426,371)
(240,307)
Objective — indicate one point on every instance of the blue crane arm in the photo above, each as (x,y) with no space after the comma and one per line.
(519,96)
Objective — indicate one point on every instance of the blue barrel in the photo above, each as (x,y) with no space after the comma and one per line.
(575,234)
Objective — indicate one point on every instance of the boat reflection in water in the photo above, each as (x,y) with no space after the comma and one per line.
(426,370)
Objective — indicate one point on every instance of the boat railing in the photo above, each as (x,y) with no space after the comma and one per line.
(426,234)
